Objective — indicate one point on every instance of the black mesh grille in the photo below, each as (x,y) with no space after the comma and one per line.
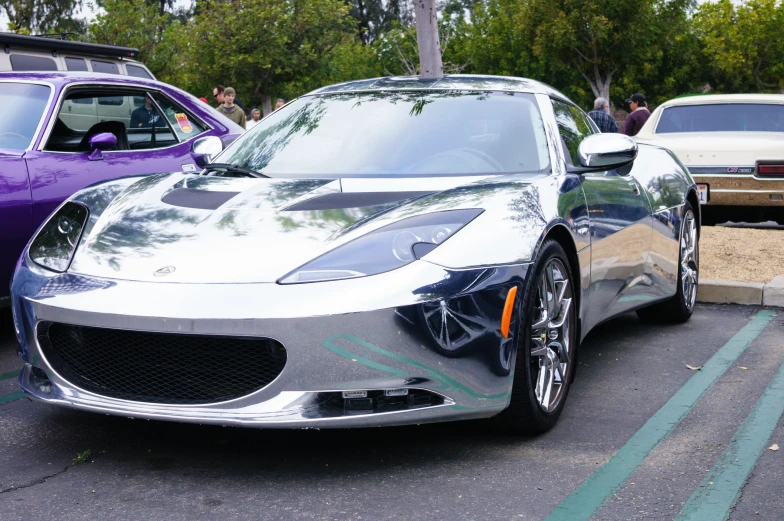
(160,367)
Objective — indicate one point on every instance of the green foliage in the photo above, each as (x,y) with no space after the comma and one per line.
(284,48)
(42,16)
(260,46)
(743,43)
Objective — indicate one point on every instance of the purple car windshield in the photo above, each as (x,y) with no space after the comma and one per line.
(23,105)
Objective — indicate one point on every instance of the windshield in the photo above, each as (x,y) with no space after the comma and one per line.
(396,134)
(728,117)
(23,105)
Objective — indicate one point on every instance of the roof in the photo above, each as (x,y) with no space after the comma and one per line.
(447,82)
(55,44)
(724,98)
(65,77)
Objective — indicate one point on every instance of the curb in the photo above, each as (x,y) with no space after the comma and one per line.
(747,293)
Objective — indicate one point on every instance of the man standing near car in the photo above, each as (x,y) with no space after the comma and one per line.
(639,114)
(230,110)
(601,116)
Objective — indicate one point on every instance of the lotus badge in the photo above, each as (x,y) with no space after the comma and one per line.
(166,270)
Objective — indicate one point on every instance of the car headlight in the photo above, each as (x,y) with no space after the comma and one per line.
(385,249)
(54,246)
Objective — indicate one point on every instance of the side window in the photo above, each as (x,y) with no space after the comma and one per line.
(130,116)
(107,67)
(75,64)
(24,62)
(139,72)
(182,122)
(573,126)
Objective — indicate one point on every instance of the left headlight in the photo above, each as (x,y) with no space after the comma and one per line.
(385,249)
(54,246)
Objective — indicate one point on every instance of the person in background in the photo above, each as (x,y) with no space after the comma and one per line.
(601,116)
(639,114)
(230,110)
(145,116)
(255,117)
(218,92)
(279,103)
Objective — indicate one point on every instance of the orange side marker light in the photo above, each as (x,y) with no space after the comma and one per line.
(506,318)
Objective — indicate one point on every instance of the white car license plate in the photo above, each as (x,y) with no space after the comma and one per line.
(704,193)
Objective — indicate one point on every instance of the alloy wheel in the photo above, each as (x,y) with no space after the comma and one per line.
(551,329)
(689,260)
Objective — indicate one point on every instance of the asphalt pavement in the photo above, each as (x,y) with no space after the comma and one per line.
(642,437)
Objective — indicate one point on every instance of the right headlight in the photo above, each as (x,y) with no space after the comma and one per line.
(54,246)
(384,249)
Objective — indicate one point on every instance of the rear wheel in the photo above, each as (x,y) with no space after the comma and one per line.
(546,345)
(680,307)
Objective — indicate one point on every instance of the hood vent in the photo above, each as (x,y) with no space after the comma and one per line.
(341,200)
(199,199)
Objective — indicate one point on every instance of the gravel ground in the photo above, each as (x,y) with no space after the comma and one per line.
(741,254)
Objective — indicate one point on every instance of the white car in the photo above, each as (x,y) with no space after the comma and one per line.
(733,146)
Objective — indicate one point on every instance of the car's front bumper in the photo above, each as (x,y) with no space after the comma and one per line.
(359,334)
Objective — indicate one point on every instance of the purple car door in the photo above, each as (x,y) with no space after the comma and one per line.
(102,133)
(23,108)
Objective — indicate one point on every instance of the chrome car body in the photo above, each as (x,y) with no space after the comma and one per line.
(431,329)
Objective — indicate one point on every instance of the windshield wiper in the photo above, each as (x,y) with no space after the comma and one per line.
(229,167)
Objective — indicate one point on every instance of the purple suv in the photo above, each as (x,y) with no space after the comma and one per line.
(60,132)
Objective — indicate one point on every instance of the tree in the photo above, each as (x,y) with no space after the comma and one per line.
(430,64)
(145,25)
(42,16)
(744,43)
(599,38)
(259,46)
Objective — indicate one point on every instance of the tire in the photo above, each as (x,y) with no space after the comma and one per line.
(680,307)
(548,361)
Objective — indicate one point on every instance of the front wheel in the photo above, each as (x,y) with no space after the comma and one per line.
(680,307)
(547,343)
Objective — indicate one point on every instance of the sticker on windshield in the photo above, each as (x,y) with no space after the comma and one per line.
(185,125)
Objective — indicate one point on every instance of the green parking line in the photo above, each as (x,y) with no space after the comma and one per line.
(329,344)
(8,376)
(11,397)
(590,496)
(721,487)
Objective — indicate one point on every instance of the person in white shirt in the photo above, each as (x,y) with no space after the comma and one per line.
(255,117)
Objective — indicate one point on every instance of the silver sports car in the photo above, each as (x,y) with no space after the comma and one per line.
(386,251)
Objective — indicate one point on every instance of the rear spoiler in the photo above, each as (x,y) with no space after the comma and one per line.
(11,40)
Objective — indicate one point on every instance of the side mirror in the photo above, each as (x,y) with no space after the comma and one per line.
(607,151)
(204,149)
(103,141)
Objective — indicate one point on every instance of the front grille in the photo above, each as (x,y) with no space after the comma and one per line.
(160,367)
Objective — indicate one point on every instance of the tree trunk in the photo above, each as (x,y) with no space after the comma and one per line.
(430,65)
(266,105)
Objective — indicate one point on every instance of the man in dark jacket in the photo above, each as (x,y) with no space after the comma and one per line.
(639,114)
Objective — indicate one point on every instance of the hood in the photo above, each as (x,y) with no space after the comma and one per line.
(195,229)
(721,148)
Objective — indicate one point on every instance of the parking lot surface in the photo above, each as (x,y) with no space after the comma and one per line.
(643,436)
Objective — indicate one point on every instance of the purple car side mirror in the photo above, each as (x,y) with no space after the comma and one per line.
(103,141)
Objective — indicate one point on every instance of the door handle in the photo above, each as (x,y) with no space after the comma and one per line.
(635,188)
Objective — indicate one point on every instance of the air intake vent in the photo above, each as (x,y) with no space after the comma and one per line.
(160,367)
(340,200)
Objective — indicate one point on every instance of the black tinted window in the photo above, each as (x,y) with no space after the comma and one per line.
(75,64)
(573,126)
(107,67)
(729,117)
(139,72)
(23,62)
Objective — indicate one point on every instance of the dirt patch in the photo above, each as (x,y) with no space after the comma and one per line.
(742,254)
